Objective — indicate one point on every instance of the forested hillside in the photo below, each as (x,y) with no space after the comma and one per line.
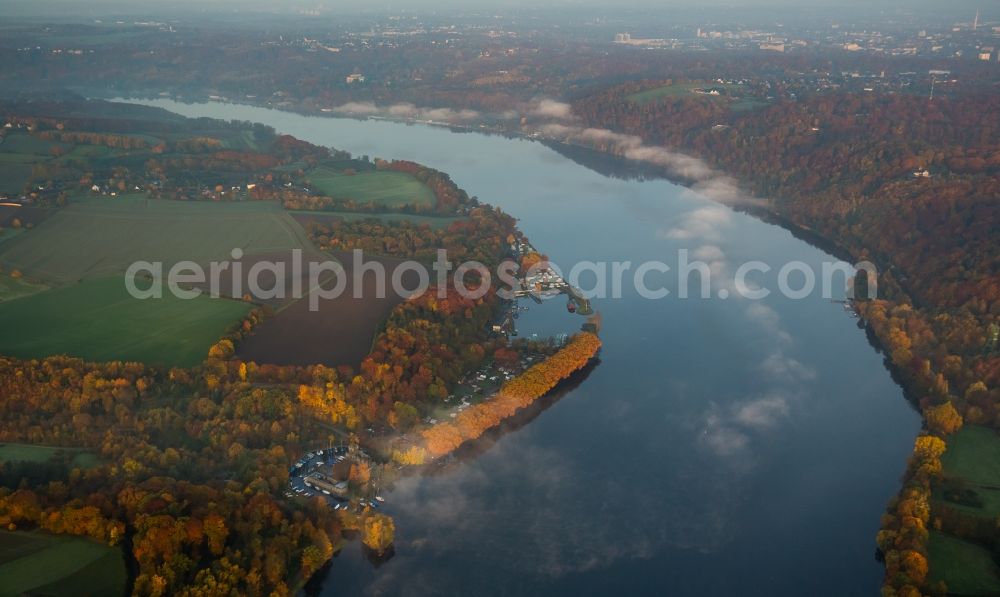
(910,183)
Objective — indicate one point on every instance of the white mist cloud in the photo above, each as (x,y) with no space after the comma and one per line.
(358,108)
(408,111)
(549,108)
(704,179)
(550,535)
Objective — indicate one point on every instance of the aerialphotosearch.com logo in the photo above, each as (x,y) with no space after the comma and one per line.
(319,280)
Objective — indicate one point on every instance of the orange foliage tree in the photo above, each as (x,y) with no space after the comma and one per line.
(516,394)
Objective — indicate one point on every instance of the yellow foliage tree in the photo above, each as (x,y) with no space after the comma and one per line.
(223,349)
(415,456)
(378,532)
(943,419)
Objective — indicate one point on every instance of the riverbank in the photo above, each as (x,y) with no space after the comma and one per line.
(761,210)
(445,437)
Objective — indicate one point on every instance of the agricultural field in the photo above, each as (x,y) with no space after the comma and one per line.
(19,152)
(99,236)
(97,320)
(86,152)
(23,143)
(339,333)
(965,568)
(15,171)
(13,216)
(9,233)
(35,563)
(390,190)
(13,288)
(40,454)
(265,286)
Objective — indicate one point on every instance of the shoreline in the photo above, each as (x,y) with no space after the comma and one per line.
(441,440)
(761,212)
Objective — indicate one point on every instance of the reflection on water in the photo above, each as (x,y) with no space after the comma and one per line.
(720,447)
(607,165)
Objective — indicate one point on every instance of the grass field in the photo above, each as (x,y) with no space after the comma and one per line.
(97,320)
(747,104)
(973,454)
(34,563)
(20,158)
(351,216)
(14,174)
(86,152)
(388,189)
(965,568)
(97,237)
(241,140)
(27,217)
(9,233)
(741,104)
(24,143)
(973,458)
(18,153)
(988,496)
(33,453)
(657,93)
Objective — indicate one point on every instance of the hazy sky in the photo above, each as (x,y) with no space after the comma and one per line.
(137,6)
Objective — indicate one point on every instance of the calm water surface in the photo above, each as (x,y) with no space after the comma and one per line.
(719,447)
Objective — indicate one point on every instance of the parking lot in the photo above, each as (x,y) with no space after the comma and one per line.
(321,461)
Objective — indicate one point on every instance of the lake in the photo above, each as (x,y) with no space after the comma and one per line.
(720,446)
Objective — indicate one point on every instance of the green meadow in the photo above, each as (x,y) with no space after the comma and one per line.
(971,464)
(15,171)
(385,189)
(99,236)
(973,460)
(965,568)
(35,563)
(974,454)
(740,104)
(98,320)
(39,454)
(354,216)
(12,288)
